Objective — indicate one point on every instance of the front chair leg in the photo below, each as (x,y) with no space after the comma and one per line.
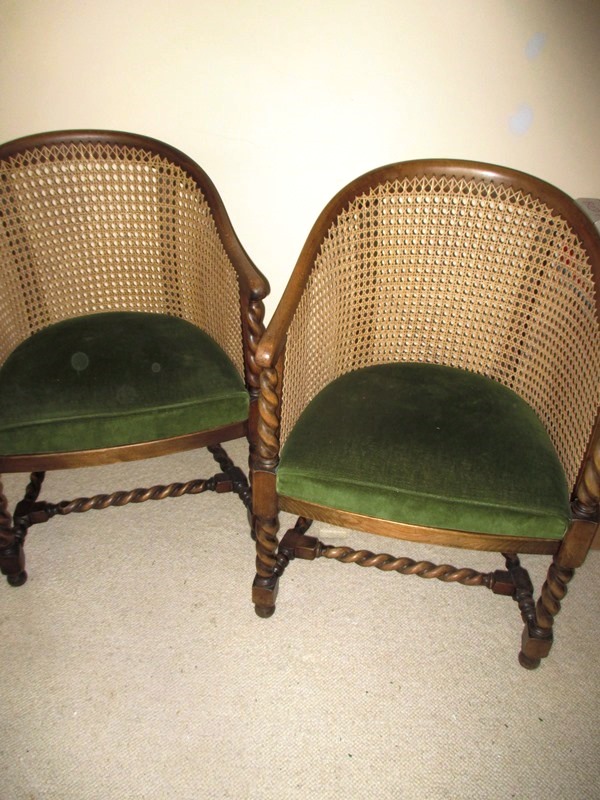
(266,582)
(12,556)
(537,635)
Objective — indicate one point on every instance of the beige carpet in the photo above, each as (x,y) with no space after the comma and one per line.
(133,666)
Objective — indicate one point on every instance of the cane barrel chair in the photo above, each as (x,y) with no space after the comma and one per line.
(432,374)
(129,318)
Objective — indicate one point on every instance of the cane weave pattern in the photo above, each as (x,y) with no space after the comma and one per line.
(459,272)
(91,227)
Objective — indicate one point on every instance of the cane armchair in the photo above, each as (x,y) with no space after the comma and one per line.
(432,374)
(129,317)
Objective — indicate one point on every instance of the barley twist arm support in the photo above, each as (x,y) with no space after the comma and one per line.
(268,418)
(256,328)
(587,498)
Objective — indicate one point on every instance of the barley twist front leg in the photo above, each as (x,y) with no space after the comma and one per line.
(264,588)
(553,593)
(538,633)
(538,636)
(585,520)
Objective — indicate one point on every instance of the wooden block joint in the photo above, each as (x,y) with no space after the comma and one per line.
(298,545)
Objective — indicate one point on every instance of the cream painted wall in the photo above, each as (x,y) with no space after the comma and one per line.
(284,102)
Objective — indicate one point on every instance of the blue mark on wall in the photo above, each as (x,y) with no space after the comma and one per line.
(535,45)
(521,120)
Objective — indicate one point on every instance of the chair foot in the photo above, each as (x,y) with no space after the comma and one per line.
(293,545)
(527,662)
(264,594)
(17,580)
(536,644)
(264,611)
(12,563)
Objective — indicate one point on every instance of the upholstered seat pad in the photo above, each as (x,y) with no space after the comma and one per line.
(112,379)
(427,445)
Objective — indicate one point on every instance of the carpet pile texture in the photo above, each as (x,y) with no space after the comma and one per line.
(134,667)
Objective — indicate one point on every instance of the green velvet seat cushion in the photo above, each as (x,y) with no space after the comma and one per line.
(112,379)
(427,445)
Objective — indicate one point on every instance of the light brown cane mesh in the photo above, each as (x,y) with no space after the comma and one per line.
(96,227)
(457,272)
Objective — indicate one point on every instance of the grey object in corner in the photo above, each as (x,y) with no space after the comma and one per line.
(591,205)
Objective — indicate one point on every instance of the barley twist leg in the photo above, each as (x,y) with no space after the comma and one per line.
(538,636)
(264,589)
(256,328)
(585,521)
(553,592)
(264,496)
(12,556)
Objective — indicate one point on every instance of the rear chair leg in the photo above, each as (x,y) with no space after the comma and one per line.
(12,556)
(239,481)
(539,640)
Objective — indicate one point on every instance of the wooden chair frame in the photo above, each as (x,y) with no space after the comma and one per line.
(274,556)
(115,147)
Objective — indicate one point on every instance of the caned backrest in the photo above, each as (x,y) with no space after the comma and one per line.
(100,221)
(459,266)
